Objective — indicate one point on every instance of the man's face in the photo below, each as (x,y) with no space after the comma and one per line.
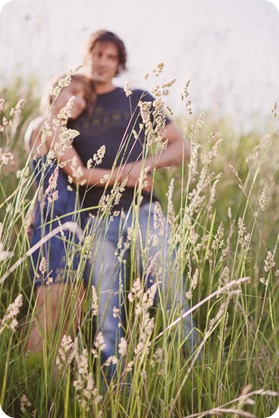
(104,62)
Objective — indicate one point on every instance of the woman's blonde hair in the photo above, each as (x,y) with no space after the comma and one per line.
(88,85)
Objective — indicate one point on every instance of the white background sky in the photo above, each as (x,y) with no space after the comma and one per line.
(228,48)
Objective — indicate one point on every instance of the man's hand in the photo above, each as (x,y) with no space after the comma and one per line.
(133,173)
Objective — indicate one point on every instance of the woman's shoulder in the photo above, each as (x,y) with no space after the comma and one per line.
(32,132)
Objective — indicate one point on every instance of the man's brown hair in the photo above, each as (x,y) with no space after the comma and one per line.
(104,36)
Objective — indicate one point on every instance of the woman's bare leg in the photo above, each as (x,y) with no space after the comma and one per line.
(58,309)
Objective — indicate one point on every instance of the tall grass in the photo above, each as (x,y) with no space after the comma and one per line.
(223,221)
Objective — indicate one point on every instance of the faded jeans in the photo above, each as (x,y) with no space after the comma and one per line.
(109,272)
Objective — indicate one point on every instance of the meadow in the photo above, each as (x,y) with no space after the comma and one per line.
(222,210)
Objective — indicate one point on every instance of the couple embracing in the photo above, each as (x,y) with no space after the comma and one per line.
(111,172)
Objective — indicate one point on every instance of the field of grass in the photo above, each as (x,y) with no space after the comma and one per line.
(222,209)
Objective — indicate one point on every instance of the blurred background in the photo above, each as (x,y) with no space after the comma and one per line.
(228,49)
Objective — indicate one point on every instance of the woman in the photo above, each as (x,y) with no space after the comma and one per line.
(58,286)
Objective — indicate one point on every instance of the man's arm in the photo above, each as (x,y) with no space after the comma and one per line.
(73,167)
(177,148)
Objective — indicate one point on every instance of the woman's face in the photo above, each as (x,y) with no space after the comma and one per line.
(76,90)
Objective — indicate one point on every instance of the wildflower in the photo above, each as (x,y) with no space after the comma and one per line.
(158,70)
(143,374)
(158,355)
(76,169)
(236,175)
(142,178)
(5,121)
(86,392)
(200,121)
(127,89)
(189,294)
(120,251)
(43,265)
(171,213)
(5,157)
(269,262)
(99,345)
(264,281)
(95,307)
(15,114)
(159,222)
(130,234)
(129,367)
(262,200)
(25,404)
(224,278)
(87,246)
(145,111)
(197,197)
(154,240)
(111,360)
(63,82)
(51,192)
(66,137)
(146,323)
(275,110)
(165,88)
(145,331)
(193,236)
(243,239)
(218,239)
(116,312)
(207,158)
(81,361)
(65,112)
(23,173)
(158,103)
(48,280)
(98,157)
(9,321)
(28,221)
(89,163)
(159,116)
(135,291)
(193,166)
(65,352)
(220,313)
(2,102)
(194,280)
(4,255)
(122,347)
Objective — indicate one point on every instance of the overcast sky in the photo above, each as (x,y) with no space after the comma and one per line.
(228,48)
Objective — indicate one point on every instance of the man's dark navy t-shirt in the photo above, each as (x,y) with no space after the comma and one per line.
(112,123)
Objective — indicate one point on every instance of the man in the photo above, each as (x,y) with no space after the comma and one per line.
(125,124)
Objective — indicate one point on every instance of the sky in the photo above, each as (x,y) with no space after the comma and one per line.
(229,49)
(275,2)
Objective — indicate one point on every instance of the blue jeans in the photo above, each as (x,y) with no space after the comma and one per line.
(155,262)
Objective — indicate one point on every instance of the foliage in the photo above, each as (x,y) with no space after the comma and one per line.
(223,221)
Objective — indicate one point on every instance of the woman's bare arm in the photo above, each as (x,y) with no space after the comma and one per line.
(68,159)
